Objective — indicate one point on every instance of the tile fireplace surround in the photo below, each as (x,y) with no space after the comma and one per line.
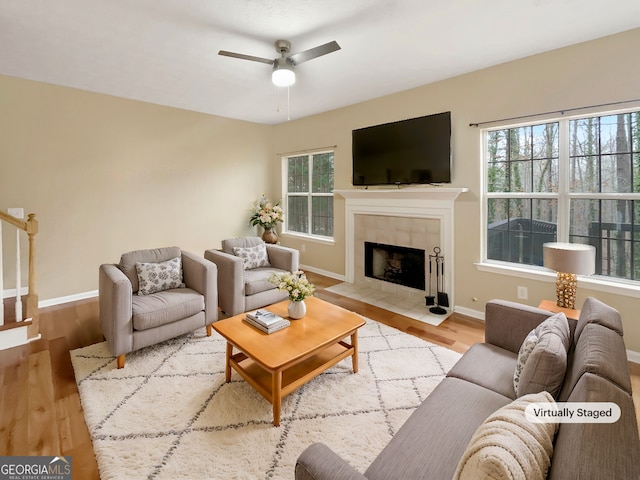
(416,217)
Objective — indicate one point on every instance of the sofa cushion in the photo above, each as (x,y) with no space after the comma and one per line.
(160,308)
(598,450)
(128,261)
(599,351)
(253,257)
(257,280)
(488,366)
(509,446)
(436,432)
(523,355)
(156,277)
(594,311)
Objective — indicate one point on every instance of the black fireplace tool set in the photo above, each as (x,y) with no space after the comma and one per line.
(441,299)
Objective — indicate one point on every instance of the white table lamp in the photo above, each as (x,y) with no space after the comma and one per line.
(569,260)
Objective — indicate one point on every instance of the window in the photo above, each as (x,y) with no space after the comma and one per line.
(309,194)
(572,180)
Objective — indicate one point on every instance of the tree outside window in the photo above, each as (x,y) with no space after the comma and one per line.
(572,180)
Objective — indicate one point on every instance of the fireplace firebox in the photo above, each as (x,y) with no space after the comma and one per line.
(395,264)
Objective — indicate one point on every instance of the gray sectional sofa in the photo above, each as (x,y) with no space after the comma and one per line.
(435,437)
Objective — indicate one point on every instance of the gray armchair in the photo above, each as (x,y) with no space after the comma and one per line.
(134,315)
(241,290)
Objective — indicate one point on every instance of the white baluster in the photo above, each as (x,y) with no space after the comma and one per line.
(18,213)
(18,278)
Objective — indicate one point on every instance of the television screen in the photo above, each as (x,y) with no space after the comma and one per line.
(417,150)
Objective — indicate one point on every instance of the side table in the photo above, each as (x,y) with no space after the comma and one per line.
(553,307)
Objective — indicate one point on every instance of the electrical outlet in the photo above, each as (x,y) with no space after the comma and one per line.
(523,293)
(302,248)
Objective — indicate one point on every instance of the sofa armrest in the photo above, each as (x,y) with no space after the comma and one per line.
(115,293)
(319,462)
(284,258)
(202,276)
(230,281)
(508,323)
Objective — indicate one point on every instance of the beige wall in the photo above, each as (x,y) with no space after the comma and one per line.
(596,72)
(106,175)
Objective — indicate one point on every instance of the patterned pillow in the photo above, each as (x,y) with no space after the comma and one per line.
(525,350)
(156,277)
(253,257)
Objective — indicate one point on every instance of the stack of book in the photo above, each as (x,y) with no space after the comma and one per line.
(266,321)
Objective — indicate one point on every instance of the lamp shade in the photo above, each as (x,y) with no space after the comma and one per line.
(575,258)
(283,74)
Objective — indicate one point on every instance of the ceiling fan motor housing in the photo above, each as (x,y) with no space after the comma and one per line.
(283,46)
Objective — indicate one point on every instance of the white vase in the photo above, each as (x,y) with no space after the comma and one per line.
(297,310)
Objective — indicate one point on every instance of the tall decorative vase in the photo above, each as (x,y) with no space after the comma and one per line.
(270,235)
(297,309)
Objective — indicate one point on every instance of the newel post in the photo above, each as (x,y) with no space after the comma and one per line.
(32,296)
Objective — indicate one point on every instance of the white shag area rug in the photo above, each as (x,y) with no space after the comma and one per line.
(168,414)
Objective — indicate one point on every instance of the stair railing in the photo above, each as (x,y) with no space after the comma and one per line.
(30,227)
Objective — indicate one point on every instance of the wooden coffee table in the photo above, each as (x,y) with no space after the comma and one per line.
(279,363)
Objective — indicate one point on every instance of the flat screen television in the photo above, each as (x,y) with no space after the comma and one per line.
(416,150)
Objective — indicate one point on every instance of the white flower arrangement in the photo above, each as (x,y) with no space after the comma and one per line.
(295,284)
(265,213)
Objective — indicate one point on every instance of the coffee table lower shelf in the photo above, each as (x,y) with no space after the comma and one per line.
(275,384)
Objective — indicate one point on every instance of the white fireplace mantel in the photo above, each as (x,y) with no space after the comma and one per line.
(409,193)
(411,202)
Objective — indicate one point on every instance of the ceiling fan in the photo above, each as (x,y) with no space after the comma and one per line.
(283,74)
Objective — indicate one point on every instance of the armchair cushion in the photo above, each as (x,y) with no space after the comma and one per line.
(257,280)
(253,257)
(164,307)
(156,277)
(242,242)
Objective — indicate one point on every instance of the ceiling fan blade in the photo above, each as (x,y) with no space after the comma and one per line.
(315,52)
(246,57)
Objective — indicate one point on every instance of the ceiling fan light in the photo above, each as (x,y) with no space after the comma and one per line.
(283,76)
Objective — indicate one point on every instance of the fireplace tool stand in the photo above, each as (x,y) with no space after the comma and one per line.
(441,298)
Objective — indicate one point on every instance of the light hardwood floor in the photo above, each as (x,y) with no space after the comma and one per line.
(39,402)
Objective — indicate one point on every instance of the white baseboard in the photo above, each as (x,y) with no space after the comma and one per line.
(69,298)
(477,314)
(11,292)
(633,356)
(326,273)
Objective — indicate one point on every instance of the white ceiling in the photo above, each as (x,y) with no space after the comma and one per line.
(165,51)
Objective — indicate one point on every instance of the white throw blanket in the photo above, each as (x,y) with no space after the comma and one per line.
(507,446)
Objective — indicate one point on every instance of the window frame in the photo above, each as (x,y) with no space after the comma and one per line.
(563,196)
(329,240)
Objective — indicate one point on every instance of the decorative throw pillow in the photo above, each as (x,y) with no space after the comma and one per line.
(556,325)
(253,257)
(508,446)
(156,277)
(525,350)
(546,366)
